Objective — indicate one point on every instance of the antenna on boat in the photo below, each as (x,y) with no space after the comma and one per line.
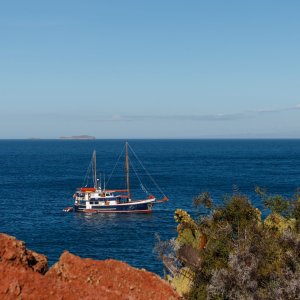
(95,169)
(127,171)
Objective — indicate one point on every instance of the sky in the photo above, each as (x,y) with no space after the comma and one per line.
(150,69)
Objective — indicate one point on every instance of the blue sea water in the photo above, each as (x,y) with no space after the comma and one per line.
(39,177)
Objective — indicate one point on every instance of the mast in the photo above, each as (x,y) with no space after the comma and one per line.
(127,171)
(95,170)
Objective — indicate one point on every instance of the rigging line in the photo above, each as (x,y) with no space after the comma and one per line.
(144,188)
(86,177)
(157,186)
(112,172)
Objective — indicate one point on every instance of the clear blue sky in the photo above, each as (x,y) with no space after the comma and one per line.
(150,69)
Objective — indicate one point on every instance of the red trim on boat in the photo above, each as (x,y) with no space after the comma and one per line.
(87,189)
(90,210)
(162,200)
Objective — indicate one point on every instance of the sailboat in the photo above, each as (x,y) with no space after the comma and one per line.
(96,199)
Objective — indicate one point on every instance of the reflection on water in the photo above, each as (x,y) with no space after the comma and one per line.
(98,220)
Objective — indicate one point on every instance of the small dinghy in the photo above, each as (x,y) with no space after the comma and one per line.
(68,209)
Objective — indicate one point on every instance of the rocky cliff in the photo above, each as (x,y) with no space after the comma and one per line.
(24,275)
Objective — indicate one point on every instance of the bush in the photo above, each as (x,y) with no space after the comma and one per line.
(241,256)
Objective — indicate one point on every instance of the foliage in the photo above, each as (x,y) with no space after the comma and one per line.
(238,213)
(276,203)
(183,218)
(204,199)
(277,222)
(233,254)
(182,280)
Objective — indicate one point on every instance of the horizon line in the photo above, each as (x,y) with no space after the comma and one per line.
(156,138)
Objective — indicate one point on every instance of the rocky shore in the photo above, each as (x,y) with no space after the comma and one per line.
(24,274)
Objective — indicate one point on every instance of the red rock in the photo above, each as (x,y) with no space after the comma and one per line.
(73,277)
(15,252)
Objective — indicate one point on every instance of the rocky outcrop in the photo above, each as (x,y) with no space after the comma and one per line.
(15,253)
(24,275)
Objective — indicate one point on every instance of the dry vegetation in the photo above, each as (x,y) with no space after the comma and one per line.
(232,253)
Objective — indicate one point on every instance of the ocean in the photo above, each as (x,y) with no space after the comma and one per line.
(39,177)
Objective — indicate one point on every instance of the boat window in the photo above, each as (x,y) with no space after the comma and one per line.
(91,202)
(96,202)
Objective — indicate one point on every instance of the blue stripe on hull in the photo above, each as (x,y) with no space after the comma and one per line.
(142,207)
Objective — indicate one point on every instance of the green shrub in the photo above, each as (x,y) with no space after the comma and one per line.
(241,256)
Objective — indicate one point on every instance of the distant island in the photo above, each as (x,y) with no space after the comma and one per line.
(78,137)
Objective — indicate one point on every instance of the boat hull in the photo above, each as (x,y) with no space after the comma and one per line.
(127,208)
